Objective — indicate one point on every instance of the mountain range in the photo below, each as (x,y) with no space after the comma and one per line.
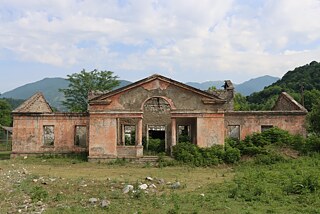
(50,88)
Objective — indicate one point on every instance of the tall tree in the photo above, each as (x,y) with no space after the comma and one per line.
(5,113)
(80,84)
(314,118)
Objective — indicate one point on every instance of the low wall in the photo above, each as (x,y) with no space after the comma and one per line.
(251,121)
(28,133)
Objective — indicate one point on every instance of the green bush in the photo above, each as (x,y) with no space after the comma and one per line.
(302,184)
(312,144)
(156,145)
(278,136)
(231,155)
(212,155)
(187,152)
(269,158)
(191,154)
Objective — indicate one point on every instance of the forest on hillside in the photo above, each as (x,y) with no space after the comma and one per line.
(302,83)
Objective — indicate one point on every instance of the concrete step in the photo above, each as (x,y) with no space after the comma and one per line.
(145,159)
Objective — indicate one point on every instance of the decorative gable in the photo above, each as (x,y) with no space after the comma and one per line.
(158,82)
(286,103)
(35,104)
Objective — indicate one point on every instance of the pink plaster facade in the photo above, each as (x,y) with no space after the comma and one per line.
(28,132)
(147,106)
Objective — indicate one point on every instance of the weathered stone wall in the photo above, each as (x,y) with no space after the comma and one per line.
(28,132)
(129,151)
(250,122)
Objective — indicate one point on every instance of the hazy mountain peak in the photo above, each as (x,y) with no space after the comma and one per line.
(50,88)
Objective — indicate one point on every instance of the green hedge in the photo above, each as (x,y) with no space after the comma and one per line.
(263,146)
(189,153)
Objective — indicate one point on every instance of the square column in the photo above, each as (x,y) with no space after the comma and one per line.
(173,132)
(139,133)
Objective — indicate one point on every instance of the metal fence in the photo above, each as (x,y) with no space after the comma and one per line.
(5,144)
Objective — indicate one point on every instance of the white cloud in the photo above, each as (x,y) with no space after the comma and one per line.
(200,39)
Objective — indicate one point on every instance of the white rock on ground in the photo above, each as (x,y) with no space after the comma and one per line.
(105,203)
(143,186)
(93,200)
(153,186)
(176,185)
(127,189)
(149,178)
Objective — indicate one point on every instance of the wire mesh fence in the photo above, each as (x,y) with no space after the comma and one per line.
(5,144)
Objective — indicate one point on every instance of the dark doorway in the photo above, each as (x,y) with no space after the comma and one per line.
(156,140)
(154,134)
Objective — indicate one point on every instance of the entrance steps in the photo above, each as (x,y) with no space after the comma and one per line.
(150,159)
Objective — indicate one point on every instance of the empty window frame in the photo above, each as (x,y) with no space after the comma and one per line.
(48,135)
(80,137)
(234,131)
(129,132)
(266,127)
(184,133)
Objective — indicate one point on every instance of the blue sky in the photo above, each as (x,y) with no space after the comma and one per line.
(182,39)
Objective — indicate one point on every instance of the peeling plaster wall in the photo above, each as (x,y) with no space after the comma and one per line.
(251,122)
(28,133)
(103,136)
(210,130)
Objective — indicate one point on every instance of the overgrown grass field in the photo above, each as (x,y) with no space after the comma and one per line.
(65,185)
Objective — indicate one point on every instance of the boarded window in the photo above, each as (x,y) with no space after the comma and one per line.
(48,135)
(266,127)
(234,131)
(80,136)
(129,135)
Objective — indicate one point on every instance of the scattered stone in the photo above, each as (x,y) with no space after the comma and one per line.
(153,186)
(202,194)
(176,185)
(161,181)
(105,203)
(143,186)
(93,200)
(108,179)
(25,172)
(84,185)
(25,157)
(35,180)
(149,178)
(127,189)
(52,179)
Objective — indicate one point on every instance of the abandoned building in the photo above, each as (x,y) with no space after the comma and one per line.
(119,123)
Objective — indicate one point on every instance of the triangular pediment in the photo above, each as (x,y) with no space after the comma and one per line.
(286,103)
(35,104)
(155,82)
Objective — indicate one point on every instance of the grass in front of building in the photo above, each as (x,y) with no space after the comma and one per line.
(67,185)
